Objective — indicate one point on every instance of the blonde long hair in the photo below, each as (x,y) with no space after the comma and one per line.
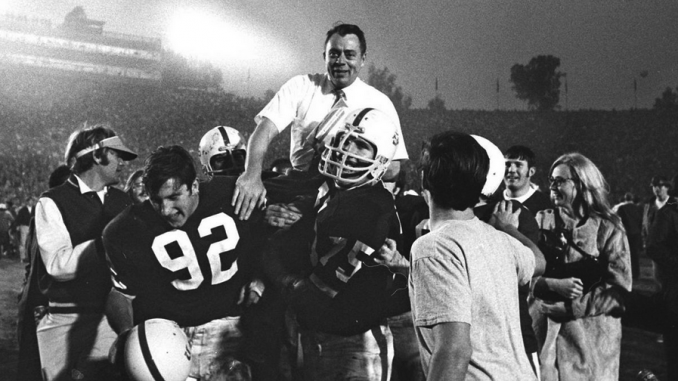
(592,189)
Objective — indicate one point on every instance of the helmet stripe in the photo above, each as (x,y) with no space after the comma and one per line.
(361,115)
(146,352)
(224,135)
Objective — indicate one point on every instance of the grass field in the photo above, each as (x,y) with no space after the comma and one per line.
(640,349)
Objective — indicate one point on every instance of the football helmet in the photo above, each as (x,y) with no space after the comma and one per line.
(222,151)
(157,349)
(495,173)
(367,129)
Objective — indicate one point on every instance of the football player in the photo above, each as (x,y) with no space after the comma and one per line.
(222,152)
(341,284)
(182,256)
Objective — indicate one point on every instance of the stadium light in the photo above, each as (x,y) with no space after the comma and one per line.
(206,37)
(4,7)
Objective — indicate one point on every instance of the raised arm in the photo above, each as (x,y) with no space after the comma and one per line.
(506,220)
(249,189)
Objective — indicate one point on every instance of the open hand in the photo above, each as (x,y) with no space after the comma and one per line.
(249,193)
(503,215)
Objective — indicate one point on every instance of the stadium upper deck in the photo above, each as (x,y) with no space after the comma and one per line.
(79,45)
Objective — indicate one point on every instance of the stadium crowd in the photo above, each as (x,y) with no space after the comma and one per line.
(344,215)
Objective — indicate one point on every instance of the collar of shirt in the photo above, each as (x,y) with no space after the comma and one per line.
(84,188)
(522,198)
(328,88)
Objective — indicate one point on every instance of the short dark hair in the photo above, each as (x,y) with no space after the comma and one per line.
(454,168)
(59,176)
(660,180)
(165,163)
(82,139)
(519,152)
(343,30)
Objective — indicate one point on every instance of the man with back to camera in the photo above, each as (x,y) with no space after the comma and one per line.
(464,273)
(520,167)
(183,256)
(303,102)
(74,336)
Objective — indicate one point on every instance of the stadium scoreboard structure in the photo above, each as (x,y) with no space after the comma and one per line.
(78,47)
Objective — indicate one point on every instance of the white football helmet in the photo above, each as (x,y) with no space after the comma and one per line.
(222,151)
(361,126)
(495,173)
(157,349)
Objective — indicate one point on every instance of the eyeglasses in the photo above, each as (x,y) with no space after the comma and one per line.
(558,181)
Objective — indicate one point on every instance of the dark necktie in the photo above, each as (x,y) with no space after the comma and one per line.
(338,95)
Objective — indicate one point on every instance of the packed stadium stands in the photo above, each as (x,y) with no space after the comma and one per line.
(38,113)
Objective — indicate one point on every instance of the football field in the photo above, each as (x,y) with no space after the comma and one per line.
(640,349)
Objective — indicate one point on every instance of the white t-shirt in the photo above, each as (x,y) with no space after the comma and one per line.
(468,272)
(305,100)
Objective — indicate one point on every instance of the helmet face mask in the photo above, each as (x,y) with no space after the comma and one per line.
(222,151)
(228,163)
(361,152)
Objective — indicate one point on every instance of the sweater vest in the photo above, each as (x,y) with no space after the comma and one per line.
(85,218)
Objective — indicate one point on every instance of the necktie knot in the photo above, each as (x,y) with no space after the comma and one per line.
(338,95)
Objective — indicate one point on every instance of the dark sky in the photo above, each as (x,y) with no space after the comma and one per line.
(468,45)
